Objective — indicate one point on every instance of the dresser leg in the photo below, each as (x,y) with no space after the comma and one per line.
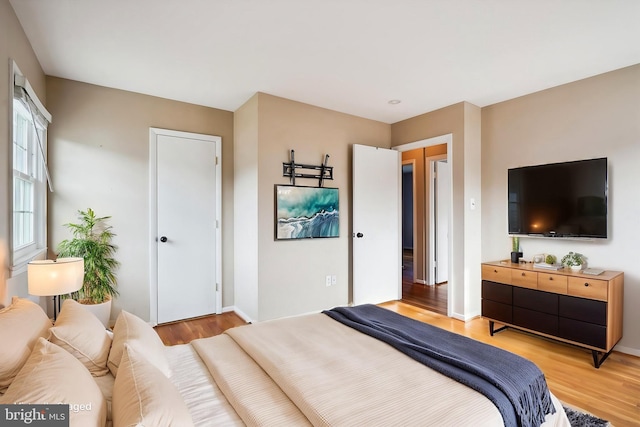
(492,330)
(597,362)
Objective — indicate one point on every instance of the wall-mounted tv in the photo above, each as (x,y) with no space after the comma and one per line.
(559,200)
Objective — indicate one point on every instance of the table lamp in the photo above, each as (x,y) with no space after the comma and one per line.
(55,278)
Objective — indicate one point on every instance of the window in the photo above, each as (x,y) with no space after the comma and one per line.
(28,218)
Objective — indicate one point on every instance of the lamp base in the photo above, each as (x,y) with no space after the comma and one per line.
(56,306)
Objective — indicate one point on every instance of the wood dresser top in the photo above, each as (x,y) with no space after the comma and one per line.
(528,266)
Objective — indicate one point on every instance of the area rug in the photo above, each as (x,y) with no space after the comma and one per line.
(583,419)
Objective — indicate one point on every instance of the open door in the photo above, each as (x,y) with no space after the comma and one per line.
(377,255)
(442,202)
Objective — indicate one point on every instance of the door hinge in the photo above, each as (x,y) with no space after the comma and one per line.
(216,160)
(217,224)
(217,287)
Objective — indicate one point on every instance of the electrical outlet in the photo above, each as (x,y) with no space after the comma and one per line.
(327,280)
(334,280)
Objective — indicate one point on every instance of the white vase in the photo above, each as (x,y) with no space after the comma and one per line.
(576,268)
(102,311)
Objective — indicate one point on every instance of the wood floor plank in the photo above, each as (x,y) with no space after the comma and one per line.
(202,327)
(433,298)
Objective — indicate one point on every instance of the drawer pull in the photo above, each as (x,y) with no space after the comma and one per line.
(586,284)
(522,274)
(495,271)
(550,278)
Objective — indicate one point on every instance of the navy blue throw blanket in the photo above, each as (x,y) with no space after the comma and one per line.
(515,385)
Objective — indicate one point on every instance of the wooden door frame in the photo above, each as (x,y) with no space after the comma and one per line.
(153,215)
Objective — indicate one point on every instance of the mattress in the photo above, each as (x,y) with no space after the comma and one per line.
(206,403)
(314,370)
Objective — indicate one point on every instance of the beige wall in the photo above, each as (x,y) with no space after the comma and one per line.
(595,117)
(99,158)
(246,212)
(454,120)
(13,45)
(291,274)
(472,206)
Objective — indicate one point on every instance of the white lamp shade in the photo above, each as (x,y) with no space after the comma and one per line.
(59,277)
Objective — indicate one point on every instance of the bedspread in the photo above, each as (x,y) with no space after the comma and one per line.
(514,384)
(313,370)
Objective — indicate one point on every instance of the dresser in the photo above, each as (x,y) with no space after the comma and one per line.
(572,307)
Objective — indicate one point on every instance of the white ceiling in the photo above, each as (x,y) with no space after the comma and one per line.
(351,56)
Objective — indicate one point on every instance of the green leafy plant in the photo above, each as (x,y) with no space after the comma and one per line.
(573,259)
(92,241)
(550,259)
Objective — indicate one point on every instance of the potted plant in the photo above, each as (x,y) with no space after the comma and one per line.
(574,260)
(92,241)
(515,249)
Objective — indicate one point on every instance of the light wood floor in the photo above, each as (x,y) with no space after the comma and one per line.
(611,392)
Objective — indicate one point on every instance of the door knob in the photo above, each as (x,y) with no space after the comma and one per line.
(359,235)
(163,239)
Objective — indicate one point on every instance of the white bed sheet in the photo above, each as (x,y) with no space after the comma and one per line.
(207,404)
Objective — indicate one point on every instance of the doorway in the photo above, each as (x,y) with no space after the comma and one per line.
(425,226)
(185,216)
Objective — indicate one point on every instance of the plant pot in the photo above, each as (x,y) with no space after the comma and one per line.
(576,268)
(515,257)
(101,311)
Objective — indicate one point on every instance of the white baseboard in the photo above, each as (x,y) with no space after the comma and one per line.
(464,318)
(235,309)
(422,282)
(627,350)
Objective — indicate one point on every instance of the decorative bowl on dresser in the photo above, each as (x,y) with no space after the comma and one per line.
(568,306)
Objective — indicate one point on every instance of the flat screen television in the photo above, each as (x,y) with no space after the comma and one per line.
(559,200)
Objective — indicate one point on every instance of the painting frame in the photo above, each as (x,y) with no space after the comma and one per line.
(306,212)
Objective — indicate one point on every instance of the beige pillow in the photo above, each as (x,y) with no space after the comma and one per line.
(52,375)
(81,333)
(21,324)
(144,396)
(140,335)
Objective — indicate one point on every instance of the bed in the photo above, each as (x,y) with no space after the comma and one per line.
(306,370)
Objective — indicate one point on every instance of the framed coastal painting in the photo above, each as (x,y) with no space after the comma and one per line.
(306,212)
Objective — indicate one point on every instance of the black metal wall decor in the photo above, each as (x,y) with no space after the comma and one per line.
(320,173)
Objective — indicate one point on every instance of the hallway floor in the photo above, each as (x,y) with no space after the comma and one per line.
(433,298)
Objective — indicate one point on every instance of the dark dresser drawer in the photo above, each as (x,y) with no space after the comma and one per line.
(566,305)
(583,332)
(545,302)
(586,310)
(497,292)
(535,320)
(497,311)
